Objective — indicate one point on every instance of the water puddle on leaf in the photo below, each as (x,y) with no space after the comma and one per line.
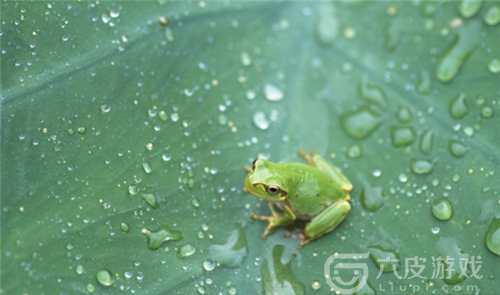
(234,251)
(163,234)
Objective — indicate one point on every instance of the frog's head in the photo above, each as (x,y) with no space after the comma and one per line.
(264,182)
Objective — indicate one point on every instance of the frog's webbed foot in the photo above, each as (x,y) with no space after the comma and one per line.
(275,220)
(300,236)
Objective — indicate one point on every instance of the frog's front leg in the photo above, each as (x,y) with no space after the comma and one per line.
(333,172)
(276,219)
(326,221)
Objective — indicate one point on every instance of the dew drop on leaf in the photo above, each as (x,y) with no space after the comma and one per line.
(273,92)
(494,66)
(402,136)
(104,277)
(260,120)
(186,250)
(457,148)
(458,106)
(492,238)
(492,15)
(422,166)
(354,151)
(426,141)
(163,234)
(441,209)
(360,123)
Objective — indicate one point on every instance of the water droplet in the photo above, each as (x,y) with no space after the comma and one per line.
(104,277)
(234,251)
(327,25)
(469,8)
(393,34)
(133,189)
(316,285)
(360,123)
(354,151)
(403,177)
(372,197)
(385,259)
(208,265)
(79,269)
(90,288)
(260,120)
(186,250)
(487,112)
(372,94)
(492,238)
(190,183)
(81,130)
(457,148)
(125,227)
(435,229)
(166,157)
(492,15)
(425,82)
(402,136)
(146,167)
(494,66)
(114,12)
(169,34)
(163,234)
(458,107)
(453,59)
(441,209)
(151,198)
(245,59)
(273,93)
(404,114)
(422,166)
(426,141)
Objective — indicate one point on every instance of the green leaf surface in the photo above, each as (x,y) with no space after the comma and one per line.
(122,134)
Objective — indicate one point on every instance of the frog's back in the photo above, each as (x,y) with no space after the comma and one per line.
(310,190)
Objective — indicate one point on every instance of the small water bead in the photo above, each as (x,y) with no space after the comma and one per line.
(186,250)
(90,288)
(79,269)
(81,130)
(104,277)
(354,151)
(377,173)
(125,227)
(245,59)
(494,66)
(260,120)
(105,108)
(422,166)
(435,229)
(403,177)
(487,112)
(174,117)
(458,107)
(402,136)
(316,285)
(133,189)
(273,93)
(147,167)
(457,148)
(166,157)
(208,265)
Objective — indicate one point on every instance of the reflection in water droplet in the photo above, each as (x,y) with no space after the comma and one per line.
(402,136)
(163,234)
(469,8)
(492,238)
(458,106)
(360,123)
(104,277)
(260,120)
(462,47)
(492,15)
(273,93)
(494,66)
(426,141)
(457,148)
(422,166)
(441,209)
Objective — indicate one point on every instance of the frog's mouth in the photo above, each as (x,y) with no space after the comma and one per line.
(261,192)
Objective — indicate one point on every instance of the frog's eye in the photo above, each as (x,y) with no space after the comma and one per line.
(273,189)
(253,164)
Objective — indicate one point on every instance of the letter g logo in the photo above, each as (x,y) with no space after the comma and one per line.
(341,285)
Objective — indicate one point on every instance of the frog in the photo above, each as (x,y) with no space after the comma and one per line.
(315,191)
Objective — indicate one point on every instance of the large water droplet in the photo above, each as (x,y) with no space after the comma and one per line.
(385,259)
(372,94)
(458,107)
(492,238)
(441,209)
(273,92)
(402,136)
(457,148)
(372,197)
(234,251)
(151,198)
(492,15)
(469,8)
(327,25)
(163,234)
(104,277)
(422,166)
(360,123)
(426,141)
(463,45)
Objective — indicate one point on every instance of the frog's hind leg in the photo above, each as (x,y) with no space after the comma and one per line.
(325,222)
